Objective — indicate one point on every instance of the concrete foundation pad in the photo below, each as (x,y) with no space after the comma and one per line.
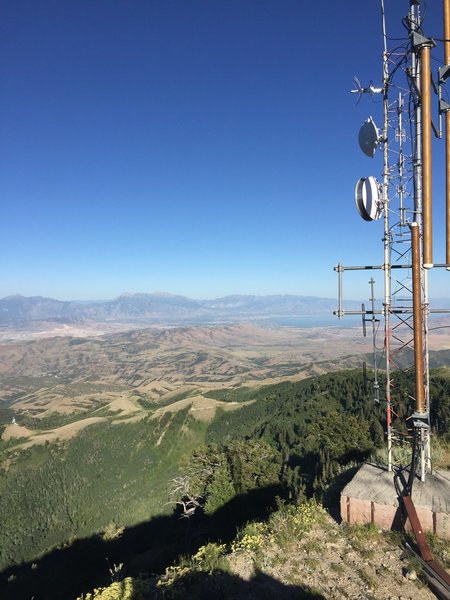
(371,497)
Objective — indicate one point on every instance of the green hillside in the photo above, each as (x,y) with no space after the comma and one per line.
(109,473)
(293,440)
(323,423)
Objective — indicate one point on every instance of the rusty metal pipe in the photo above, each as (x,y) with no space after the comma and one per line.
(425,90)
(417,318)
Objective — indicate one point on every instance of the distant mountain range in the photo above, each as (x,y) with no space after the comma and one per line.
(161,308)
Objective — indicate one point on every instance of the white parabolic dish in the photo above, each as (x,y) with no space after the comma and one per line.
(367,198)
(368,137)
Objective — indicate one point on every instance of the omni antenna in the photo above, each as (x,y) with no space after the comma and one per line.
(372,319)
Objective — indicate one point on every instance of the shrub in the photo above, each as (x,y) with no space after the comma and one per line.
(250,538)
(128,589)
(112,531)
(292,521)
(208,559)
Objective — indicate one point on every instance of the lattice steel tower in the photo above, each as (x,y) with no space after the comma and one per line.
(402,199)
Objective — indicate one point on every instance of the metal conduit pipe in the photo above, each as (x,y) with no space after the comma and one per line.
(425,85)
(417,318)
(447,132)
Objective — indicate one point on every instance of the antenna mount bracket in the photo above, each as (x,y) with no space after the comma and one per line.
(419,41)
(444,106)
(444,73)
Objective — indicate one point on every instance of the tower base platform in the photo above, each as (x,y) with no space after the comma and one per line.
(371,497)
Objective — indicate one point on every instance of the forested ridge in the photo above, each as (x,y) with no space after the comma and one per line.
(281,410)
(107,474)
(291,441)
(322,423)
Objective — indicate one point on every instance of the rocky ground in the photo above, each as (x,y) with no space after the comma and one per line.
(335,561)
(299,553)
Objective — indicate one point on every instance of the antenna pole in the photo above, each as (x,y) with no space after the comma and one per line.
(426,465)
(425,91)
(422,221)
(386,239)
(421,416)
(417,136)
(447,129)
(340,311)
(417,316)
(376,385)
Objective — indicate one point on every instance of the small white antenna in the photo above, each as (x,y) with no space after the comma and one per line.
(371,89)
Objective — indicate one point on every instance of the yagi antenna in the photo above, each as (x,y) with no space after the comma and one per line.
(363,316)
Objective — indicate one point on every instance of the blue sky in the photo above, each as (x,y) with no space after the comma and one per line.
(197,147)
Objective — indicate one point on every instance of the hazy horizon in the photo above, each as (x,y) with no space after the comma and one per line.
(168,294)
(159,293)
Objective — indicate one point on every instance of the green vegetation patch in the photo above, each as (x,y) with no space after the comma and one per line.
(323,424)
(56,419)
(53,493)
(237,394)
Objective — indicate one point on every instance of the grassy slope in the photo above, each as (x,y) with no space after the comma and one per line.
(107,473)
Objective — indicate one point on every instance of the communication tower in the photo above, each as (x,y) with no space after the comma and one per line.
(402,200)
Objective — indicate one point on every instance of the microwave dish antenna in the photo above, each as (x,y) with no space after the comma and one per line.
(368,198)
(369,137)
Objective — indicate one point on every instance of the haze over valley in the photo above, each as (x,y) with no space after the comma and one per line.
(153,351)
(38,316)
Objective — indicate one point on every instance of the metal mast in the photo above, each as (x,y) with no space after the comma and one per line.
(404,200)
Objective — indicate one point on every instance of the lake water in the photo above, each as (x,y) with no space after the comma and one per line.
(312,321)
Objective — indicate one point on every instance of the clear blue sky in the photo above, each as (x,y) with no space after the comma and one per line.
(197,147)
